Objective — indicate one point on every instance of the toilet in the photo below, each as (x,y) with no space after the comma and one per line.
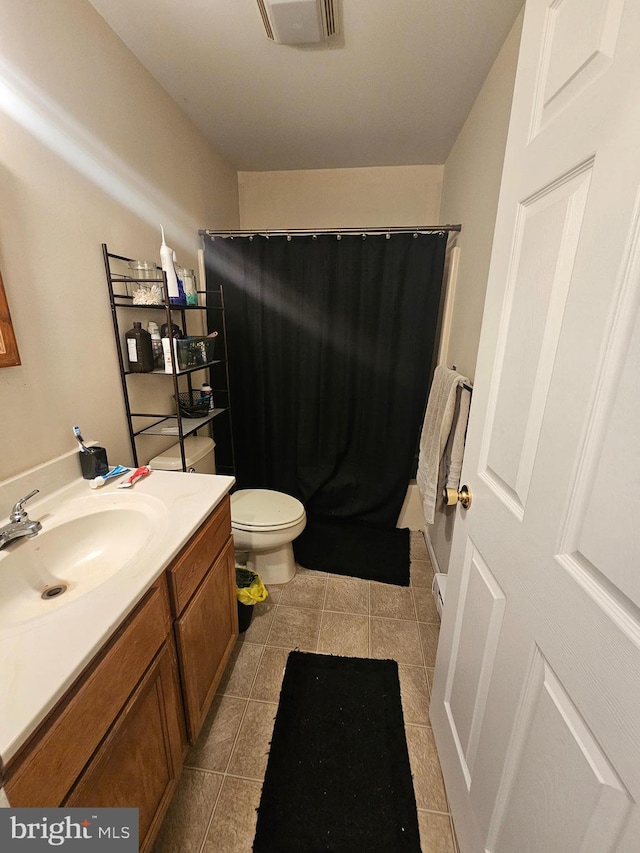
(264,523)
(199,453)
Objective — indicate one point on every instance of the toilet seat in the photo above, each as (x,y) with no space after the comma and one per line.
(264,510)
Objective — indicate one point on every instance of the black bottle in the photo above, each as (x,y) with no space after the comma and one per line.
(139,349)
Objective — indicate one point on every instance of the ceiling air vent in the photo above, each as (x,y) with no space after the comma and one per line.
(299,21)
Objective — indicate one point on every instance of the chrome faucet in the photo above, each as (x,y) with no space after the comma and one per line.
(19,523)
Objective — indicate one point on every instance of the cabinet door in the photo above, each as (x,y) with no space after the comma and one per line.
(206,633)
(140,761)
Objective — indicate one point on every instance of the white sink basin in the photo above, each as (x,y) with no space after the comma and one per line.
(68,559)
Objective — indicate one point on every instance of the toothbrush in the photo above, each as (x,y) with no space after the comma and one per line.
(133,478)
(118,471)
(83,447)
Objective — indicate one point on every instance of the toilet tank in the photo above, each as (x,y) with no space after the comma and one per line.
(199,454)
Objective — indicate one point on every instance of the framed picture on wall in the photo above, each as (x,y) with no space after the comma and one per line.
(9,355)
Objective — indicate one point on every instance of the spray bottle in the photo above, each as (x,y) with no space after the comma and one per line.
(176,292)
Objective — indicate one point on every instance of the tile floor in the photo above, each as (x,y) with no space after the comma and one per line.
(214,809)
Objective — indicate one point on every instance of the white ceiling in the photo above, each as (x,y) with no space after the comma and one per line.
(393,89)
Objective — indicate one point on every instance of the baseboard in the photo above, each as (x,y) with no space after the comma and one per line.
(432,553)
(439,590)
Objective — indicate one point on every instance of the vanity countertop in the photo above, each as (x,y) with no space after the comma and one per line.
(41,657)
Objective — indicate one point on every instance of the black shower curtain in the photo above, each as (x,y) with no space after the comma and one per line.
(330,346)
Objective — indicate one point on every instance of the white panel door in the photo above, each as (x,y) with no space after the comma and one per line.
(536,698)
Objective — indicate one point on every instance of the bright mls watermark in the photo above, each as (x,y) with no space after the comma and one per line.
(79,830)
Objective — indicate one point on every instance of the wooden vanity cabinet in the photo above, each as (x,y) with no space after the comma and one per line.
(117,736)
(203,595)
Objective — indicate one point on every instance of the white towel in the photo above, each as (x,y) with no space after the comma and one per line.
(438,420)
(459,432)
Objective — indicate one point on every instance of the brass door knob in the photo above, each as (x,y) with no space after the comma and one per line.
(453,496)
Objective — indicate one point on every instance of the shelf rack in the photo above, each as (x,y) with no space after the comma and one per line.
(169,424)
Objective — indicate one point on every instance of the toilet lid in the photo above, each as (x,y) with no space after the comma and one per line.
(263,508)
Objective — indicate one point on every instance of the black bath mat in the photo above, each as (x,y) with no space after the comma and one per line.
(361,552)
(338,778)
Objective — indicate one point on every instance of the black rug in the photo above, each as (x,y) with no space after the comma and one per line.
(361,552)
(338,778)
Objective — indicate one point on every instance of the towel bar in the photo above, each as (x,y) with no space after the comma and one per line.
(465,385)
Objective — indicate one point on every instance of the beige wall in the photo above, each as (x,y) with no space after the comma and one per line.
(470,196)
(92,150)
(341,198)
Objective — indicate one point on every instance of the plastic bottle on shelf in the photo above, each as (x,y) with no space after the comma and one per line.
(156,345)
(139,349)
(206,391)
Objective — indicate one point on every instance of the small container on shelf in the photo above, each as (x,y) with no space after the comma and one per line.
(195,351)
(192,404)
(189,352)
(148,292)
(189,283)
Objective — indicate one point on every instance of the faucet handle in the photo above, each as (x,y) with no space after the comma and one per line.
(18,513)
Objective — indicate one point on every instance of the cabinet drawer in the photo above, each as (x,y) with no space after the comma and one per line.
(44,770)
(193,562)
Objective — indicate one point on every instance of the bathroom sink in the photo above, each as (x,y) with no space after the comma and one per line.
(68,559)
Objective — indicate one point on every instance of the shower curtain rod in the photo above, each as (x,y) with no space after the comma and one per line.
(313,232)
